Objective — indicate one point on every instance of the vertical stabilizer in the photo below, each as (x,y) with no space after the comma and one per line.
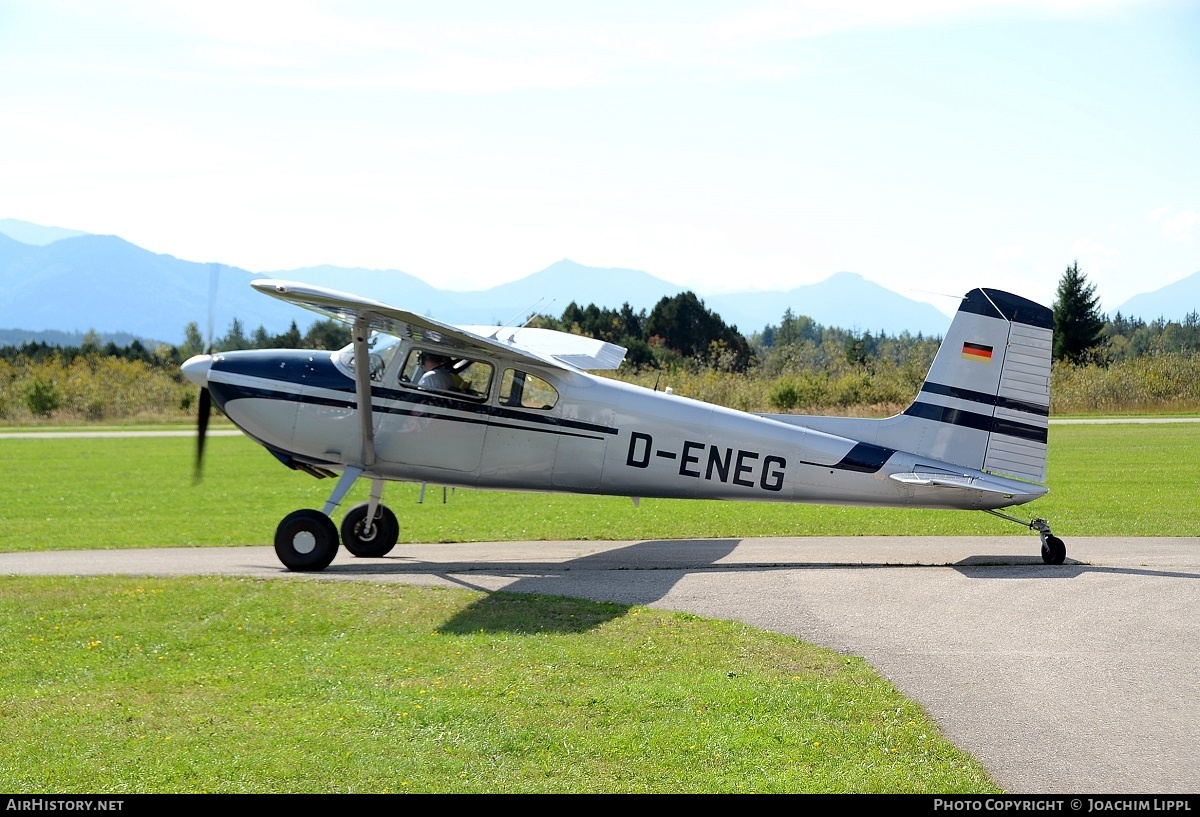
(986,401)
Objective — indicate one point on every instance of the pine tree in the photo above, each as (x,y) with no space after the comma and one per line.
(193,342)
(235,339)
(1078,324)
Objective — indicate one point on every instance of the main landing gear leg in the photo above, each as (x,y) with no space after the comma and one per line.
(370,528)
(307,539)
(1054,552)
(352,473)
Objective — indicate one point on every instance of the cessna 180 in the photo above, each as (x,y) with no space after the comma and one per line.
(518,409)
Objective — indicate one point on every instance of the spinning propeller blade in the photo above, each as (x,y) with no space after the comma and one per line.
(203,410)
(204,407)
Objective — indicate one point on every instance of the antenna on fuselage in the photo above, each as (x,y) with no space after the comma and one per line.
(532,314)
(517,317)
(947,295)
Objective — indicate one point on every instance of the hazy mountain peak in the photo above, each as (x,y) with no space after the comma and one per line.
(1174,302)
(35,234)
(108,284)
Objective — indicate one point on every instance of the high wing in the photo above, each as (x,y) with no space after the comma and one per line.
(541,345)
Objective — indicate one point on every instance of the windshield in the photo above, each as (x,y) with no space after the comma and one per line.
(382,349)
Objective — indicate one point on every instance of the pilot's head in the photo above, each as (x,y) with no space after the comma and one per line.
(431,360)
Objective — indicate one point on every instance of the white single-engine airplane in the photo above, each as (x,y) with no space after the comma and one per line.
(519,410)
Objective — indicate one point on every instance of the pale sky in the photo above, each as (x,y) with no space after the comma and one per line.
(928,145)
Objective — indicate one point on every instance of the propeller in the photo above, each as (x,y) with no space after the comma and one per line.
(203,408)
(197,370)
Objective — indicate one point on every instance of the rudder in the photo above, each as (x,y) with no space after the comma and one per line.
(985,403)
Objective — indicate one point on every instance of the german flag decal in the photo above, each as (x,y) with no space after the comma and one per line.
(976,351)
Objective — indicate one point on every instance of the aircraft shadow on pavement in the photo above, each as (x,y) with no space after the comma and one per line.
(1008,567)
(645,572)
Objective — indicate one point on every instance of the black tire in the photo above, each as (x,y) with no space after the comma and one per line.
(383,536)
(1054,552)
(306,540)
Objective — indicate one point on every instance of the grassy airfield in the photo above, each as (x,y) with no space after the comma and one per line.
(82,493)
(126,685)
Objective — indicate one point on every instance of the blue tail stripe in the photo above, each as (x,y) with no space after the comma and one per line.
(986,399)
(981,422)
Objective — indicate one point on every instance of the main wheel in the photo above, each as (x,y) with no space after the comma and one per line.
(1054,552)
(381,538)
(306,540)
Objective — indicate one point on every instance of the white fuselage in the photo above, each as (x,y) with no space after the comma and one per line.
(602,437)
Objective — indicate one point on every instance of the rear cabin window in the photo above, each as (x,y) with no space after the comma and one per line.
(526,390)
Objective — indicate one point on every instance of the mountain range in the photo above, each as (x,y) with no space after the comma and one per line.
(67,281)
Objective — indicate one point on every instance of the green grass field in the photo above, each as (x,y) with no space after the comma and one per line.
(81,493)
(128,685)
(123,685)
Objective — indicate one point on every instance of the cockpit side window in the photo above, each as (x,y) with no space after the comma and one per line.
(435,370)
(518,388)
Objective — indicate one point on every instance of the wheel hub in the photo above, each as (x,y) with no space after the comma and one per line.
(304,542)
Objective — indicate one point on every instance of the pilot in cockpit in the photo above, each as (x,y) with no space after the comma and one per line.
(438,374)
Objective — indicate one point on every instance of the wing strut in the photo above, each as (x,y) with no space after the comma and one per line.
(360,331)
(362,387)
(362,382)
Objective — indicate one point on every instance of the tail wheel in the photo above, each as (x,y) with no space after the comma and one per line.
(306,540)
(1054,552)
(376,541)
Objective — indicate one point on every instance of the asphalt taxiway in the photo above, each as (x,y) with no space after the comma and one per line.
(1082,678)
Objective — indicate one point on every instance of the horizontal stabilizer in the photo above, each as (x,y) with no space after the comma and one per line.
(965,482)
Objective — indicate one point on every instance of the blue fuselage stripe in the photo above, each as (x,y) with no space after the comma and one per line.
(316,371)
(865,458)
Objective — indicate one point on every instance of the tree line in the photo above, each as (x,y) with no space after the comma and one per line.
(325,334)
(681,332)
(797,364)
(1082,335)
(678,331)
